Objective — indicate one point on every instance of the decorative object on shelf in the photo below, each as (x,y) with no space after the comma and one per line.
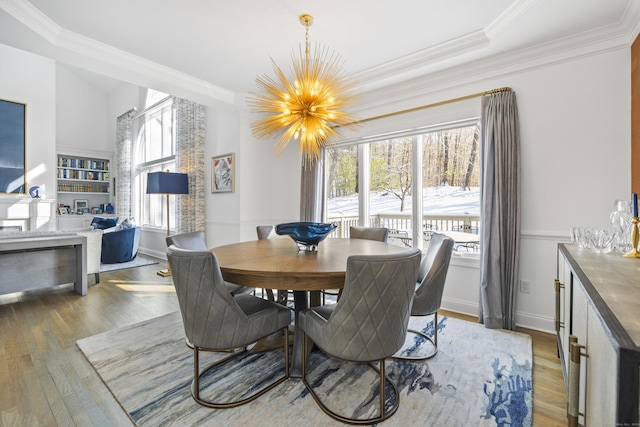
(621,223)
(79,205)
(311,106)
(223,173)
(167,183)
(307,235)
(635,236)
(109,208)
(633,253)
(36,192)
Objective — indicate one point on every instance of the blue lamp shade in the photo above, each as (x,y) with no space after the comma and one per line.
(167,183)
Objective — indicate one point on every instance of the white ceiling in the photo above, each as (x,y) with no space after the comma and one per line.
(226,44)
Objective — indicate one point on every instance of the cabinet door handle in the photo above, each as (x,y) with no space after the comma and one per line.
(573,400)
(558,287)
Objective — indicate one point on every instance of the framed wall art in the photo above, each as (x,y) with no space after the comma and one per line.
(223,173)
(13,130)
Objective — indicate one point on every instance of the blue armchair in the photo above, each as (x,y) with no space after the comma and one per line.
(120,244)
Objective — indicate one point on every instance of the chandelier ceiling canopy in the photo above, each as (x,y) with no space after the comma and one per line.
(307,108)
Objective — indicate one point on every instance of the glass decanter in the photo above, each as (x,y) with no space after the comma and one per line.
(621,222)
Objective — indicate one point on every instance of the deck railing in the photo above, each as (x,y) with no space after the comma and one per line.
(402,222)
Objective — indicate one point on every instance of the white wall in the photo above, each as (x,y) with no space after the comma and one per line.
(267,186)
(81,110)
(30,79)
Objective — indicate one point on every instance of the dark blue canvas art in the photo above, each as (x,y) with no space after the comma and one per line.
(12,147)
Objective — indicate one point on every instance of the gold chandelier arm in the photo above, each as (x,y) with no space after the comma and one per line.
(307,108)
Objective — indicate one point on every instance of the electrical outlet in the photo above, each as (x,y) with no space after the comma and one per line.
(525,286)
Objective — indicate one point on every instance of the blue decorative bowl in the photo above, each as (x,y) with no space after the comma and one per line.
(307,235)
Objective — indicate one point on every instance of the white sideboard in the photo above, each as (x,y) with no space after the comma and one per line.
(74,222)
(597,303)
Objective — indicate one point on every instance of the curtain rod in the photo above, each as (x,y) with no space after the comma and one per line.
(152,107)
(435,104)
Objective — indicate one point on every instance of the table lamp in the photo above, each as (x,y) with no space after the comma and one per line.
(167,183)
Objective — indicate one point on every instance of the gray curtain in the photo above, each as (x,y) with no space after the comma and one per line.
(500,210)
(312,192)
(124,145)
(190,143)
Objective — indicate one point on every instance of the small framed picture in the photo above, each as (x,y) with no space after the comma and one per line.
(223,173)
(63,211)
(80,205)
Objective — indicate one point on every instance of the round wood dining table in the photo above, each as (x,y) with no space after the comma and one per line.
(277,263)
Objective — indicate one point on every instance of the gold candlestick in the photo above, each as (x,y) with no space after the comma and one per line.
(633,253)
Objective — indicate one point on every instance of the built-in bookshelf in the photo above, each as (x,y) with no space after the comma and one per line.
(84,188)
(83,175)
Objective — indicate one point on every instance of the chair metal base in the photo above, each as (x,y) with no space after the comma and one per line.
(428,356)
(383,378)
(433,341)
(195,384)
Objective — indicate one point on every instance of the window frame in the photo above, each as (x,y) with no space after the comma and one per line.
(149,208)
(363,145)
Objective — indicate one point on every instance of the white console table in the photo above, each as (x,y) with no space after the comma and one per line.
(29,263)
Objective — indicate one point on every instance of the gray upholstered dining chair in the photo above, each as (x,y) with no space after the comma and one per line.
(369,322)
(370,233)
(266,232)
(196,241)
(430,286)
(214,320)
(379,234)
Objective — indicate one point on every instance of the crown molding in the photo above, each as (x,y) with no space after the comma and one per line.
(412,64)
(129,67)
(410,76)
(423,63)
(499,66)
(27,14)
(505,19)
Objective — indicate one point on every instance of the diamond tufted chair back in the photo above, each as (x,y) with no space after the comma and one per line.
(430,287)
(432,275)
(196,241)
(211,315)
(214,320)
(370,320)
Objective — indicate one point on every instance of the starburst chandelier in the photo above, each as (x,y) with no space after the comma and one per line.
(310,107)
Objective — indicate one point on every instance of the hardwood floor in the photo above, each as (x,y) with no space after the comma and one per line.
(46,381)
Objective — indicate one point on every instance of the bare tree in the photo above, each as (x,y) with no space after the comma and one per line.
(472,159)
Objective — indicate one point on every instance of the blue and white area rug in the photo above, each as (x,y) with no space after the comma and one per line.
(139,261)
(480,377)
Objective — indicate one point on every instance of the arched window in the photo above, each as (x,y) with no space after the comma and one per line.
(153,151)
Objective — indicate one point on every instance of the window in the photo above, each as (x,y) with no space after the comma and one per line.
(384,182)
(153,151)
